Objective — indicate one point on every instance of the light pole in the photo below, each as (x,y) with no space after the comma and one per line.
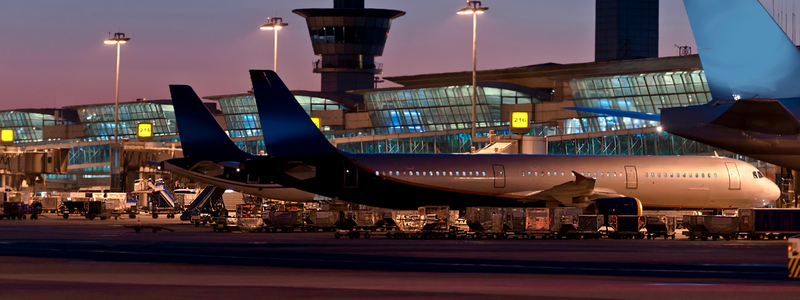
(473,8)
(119,39)
(275,24)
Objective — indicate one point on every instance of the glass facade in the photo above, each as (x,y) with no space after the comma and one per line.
(644,143)
(646,93)
(27,126)
(241,113)
(98,121)
(439,108)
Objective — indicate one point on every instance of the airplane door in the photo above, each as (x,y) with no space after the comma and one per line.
(350,174)
(733,177)
(631,181)
(499,176)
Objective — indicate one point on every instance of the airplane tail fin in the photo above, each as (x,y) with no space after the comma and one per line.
(287,128)
(743,51)
(200,133)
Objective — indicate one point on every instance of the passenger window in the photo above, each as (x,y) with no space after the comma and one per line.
(601,174)
(484,174)
(709,175)
(595,174)
(615,174)
(457,173)
(690,175)
(535,173)
(659,175)
(645,174)
(715,175)
(529,173)
(417,173)
(684,175)
(384,173)
(583,174)
(609,175)
(652,174)
(470,173)
(671,175)
(377,173)
(695,175)
(548,173)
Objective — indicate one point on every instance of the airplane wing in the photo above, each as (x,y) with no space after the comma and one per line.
(565,193)
(618,113)
(759,115)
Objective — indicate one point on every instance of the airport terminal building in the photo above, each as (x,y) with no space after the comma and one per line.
(431,113)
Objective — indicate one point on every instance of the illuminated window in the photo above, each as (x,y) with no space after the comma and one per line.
(457,173)
(690,175)
(437,173)
(659,175)
(529,173)
(582,174)
(484,174)
(684,175)
(523,173)
(535,173)
(715,175)
(548,173)
(417,173)
(645,174)
(470,173)
(376,173)
(451,173)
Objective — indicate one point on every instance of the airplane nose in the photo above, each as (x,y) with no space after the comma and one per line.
(772,193)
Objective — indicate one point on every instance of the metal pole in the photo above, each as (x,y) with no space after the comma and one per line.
(275,58)
(116,99)
(474,69)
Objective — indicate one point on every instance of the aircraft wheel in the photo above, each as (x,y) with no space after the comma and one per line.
(155,216)
(66,216)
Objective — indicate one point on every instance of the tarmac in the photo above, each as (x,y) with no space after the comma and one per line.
(76,258)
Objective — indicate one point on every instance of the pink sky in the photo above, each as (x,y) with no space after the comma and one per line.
(52,52)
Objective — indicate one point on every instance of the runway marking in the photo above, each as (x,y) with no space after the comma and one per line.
(423,263)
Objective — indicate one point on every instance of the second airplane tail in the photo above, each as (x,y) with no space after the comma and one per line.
(744,53)
(287,128)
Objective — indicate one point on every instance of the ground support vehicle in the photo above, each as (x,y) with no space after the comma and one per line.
(626,226)
(794,256)
(660,226)
(714,227)
(543,222)
(283,221)
(581,226)
(225,223)
(89,209)
(170,212)
(771,223)
(17,210)
(485,222)
(319,220)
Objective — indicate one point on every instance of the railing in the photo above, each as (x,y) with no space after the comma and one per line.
(347,64)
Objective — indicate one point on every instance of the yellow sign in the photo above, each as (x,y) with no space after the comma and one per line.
(316,121)
(145,130)
(519,119)
(7,135)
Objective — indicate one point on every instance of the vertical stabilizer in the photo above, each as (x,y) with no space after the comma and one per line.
(287,128)
(200,133)
(743,50)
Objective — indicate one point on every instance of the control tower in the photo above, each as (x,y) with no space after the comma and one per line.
(347,38)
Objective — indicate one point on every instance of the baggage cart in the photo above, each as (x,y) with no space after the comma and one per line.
(248,218)
(514,222)
(316,220)
(581,226)
(427,222)
(14,210)
(485,222)
(543,222)
(626,226)
(771,223)
(283,221)
(660,226)
(714,227)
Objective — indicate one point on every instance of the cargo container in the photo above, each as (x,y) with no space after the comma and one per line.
(660,226)
(284,221)
(543,222)
(17,210)
(88,208)
(425,223)
(485,221)
(772,223)
(320,220)
(703,227)
(626,226)
(248,218)
(581,226)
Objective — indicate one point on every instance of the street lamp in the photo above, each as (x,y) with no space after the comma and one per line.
(275,24)
(473,8)
(119,39)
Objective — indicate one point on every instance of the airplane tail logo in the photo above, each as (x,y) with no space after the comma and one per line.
(287,128)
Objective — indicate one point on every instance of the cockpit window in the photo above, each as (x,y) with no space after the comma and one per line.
(760,175)
(757,175)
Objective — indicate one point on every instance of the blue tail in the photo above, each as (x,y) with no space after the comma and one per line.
(743,51)
(288,130)
(200,133)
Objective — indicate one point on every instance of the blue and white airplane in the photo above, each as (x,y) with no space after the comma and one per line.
(753,70)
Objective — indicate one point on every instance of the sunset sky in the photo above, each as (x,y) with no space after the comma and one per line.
(52,52)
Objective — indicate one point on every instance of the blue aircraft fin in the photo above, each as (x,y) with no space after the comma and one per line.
(744,53)
(287,128)
(200,133)
(618,113)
